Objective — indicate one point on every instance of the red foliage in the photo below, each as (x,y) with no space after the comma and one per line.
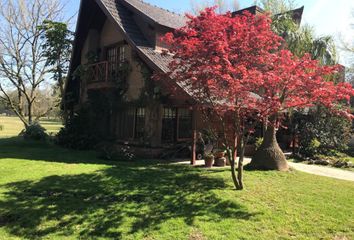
(240,64)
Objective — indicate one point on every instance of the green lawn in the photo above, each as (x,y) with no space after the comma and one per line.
(52,193)
(12,126)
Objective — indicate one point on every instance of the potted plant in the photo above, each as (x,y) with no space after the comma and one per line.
(219,153)
(220,160)
(209,160)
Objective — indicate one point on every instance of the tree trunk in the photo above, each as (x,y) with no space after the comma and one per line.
(240,164)
(29,109)
(231,155)
(236,177)
(269,156)
(62,95)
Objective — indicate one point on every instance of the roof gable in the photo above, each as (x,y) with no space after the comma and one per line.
(158,15)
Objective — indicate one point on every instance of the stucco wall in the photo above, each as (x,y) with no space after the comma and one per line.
(108,36)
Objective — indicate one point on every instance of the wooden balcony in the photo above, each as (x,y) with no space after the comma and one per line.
(105,75)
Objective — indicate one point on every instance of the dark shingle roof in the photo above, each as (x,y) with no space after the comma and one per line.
(158,15)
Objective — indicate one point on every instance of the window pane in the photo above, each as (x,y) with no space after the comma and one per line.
(140,123)
(112,58)
(125,124)
(121,54)
(184,123)
(169,124)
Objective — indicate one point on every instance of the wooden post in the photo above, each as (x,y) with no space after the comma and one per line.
(106,64)
(194,137)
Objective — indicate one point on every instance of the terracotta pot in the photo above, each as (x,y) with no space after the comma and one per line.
(209,161)
(220,162)
(219,154)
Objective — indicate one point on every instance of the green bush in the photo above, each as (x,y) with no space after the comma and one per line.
(115,153)
(34,132)
(313,147)
(1,127)
(321,132)
(78,133)
(258,142)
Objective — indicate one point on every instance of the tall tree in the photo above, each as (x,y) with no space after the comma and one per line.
(300,39)
(238,68)
(23,65)
(276,6)
(57,50)
(223,5)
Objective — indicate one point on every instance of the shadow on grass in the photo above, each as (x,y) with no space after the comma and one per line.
(18,148)
(129,199)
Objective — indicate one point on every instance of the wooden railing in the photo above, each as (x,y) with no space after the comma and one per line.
(107,72)
(98,72)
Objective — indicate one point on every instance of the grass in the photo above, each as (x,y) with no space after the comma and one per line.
(52,193)
(12,126)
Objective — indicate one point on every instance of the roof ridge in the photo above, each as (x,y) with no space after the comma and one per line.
(159,15)
(164,9)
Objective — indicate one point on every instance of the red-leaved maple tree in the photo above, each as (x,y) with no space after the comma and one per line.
(240,69)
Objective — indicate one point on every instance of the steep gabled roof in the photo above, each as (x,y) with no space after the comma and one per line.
(123,18)
(156,14)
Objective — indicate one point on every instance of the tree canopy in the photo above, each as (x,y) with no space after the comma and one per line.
(239,65)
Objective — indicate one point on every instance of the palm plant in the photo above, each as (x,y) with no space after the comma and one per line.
(301,40)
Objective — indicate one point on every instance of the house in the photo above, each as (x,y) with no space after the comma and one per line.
(117,48)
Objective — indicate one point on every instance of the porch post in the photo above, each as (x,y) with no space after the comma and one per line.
(194,136)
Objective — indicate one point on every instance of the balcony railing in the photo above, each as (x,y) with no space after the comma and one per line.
(98,72)
(108,72)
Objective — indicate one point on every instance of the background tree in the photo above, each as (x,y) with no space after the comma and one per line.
(223,5)
(57,50)
(300,40)
(236,68)
(23,65)
(276,6)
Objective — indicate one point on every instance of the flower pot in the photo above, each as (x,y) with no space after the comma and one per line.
(219,154)
(209,161)
(220,162)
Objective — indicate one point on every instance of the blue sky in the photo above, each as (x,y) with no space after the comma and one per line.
(328,17)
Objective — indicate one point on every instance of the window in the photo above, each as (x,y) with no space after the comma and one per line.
(131,123)
(112,58)
(139,123)
(176,124)
(169,124)
(184,123)
(115,58)
(125,124)
(121,55)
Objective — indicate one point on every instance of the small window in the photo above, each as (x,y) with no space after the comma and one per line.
(112,58)
(116,56)
(184,123)
(121,55)
(140,123)
(169,124)
(125,124)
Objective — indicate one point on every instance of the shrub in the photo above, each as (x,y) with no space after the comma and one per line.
(313,147)
(321,132)
(258,142)
(34,132)
(78,133)
(112,152)
(1,127)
